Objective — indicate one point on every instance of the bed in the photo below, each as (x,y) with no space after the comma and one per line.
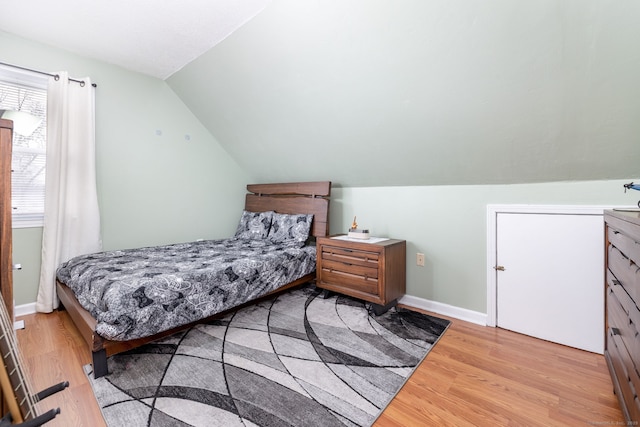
(119,300)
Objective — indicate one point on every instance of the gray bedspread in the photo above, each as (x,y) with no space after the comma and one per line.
(136,293)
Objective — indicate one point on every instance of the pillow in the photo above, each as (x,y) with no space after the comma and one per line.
(254,225)
(290,228)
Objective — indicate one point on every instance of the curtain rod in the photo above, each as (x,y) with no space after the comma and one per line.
(55,76)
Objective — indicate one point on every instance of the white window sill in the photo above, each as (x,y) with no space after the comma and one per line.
(27,223)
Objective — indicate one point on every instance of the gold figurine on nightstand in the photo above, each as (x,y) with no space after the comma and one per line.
(355,233)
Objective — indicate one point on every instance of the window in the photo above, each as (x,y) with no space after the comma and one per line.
(25,93)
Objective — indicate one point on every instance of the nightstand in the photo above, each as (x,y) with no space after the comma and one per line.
(373,270)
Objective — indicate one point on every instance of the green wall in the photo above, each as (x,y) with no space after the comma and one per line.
(27,244)
(426,92)
(157,189)
(448,225)
(162,177)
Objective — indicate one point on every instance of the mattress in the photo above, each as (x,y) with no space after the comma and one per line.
(140,292)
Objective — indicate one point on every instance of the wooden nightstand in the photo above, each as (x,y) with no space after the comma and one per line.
(373,271)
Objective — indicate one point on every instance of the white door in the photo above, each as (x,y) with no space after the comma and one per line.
(552,285)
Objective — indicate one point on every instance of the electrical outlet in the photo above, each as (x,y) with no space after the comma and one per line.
(420,259)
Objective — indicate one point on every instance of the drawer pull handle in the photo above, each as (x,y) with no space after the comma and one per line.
(615,331)
(616,282)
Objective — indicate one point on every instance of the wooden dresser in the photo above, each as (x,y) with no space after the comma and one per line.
(622,345)
(6,266)
(374,272)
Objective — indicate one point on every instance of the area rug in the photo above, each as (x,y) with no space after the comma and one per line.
(298,359)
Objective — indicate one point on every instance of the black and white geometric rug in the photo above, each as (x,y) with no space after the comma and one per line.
(294,360)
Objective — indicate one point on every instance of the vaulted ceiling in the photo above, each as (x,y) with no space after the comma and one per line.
(152,37)
(376,93)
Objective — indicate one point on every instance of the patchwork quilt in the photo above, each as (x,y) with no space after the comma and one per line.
(136,293)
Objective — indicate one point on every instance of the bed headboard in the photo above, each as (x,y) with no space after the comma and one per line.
(293,198)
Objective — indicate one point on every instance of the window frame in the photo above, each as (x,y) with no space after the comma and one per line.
(10,76)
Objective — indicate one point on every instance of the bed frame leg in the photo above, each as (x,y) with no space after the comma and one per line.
(100,363)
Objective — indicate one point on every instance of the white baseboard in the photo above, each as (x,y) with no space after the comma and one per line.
(24,309)
(445,309)
(421,303)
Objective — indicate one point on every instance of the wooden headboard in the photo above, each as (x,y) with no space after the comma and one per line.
(293,198)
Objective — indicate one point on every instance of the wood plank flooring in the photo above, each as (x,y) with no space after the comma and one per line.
(474,376)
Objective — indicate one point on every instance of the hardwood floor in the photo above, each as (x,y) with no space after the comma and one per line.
(474,376)
(481,376)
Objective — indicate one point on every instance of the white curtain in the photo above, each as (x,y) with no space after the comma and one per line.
(71,215)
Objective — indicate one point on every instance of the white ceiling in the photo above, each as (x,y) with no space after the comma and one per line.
(153,37)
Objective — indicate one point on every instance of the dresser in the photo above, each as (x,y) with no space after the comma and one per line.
(6,266)
(373,271)
(622,344)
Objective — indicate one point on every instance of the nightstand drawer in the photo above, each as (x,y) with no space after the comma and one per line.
(367,272)
(353,281)
(350,256)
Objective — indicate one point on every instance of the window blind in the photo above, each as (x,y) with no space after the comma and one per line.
(29,151)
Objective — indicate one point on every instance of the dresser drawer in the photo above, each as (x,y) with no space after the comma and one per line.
(620,292)
(625,271)
(617,354)
(617,318)
(627,375)
(629,247)
(625,324)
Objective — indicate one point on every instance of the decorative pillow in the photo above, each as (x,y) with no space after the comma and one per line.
(254,225)
(290,228)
